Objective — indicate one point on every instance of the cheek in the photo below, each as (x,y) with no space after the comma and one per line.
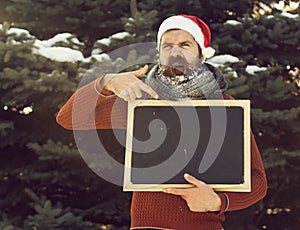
(163,57)
(191,57)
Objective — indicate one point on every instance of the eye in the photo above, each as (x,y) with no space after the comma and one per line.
(185,45)
(166,46)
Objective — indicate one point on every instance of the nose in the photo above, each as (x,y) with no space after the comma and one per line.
(175,51)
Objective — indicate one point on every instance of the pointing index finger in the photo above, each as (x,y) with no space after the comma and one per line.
(149,90)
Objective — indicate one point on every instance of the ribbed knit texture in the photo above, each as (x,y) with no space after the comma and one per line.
(88,110)
(157,209)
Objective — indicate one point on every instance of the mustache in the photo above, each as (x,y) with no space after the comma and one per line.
(173,61)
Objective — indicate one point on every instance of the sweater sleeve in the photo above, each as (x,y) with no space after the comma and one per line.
(87,109)
(231,201)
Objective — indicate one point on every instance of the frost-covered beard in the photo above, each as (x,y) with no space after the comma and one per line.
(205,82)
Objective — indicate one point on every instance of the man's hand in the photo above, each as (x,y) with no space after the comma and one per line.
(201,198)
(127,85)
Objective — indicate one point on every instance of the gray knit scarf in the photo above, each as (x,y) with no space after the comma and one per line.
(205,82)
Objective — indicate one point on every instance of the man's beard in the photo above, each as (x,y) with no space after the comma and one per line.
(178,66)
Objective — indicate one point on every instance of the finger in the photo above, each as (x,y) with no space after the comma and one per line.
(124,96)
(127,95)
(131,97)
(193,180)
(138,93)
(175,191)
(141,72)
(137,90)
(131,94)
(149,90)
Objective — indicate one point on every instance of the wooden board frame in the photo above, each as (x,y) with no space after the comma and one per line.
(227,105)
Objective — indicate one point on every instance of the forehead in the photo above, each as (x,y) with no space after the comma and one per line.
(177,36)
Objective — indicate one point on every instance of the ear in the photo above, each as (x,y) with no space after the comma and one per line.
(202,59)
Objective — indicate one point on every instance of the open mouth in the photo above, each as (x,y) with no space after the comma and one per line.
(179,69)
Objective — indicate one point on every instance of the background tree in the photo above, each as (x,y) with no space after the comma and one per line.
(44,182)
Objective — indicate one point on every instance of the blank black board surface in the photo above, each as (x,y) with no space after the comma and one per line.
(207,139)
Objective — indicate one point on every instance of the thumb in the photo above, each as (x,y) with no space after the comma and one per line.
(193,180)
(140,72)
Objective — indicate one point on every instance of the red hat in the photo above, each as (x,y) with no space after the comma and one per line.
(192,24)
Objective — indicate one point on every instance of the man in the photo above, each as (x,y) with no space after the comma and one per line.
(183,43)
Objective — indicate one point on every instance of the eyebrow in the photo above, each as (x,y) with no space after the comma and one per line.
(169,43)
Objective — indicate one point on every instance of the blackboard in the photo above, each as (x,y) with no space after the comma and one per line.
(209,139)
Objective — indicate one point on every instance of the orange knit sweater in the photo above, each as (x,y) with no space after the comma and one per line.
(86,110)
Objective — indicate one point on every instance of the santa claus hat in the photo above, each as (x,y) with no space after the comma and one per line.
(192,24)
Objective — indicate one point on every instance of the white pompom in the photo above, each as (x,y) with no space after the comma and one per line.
(208,52)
